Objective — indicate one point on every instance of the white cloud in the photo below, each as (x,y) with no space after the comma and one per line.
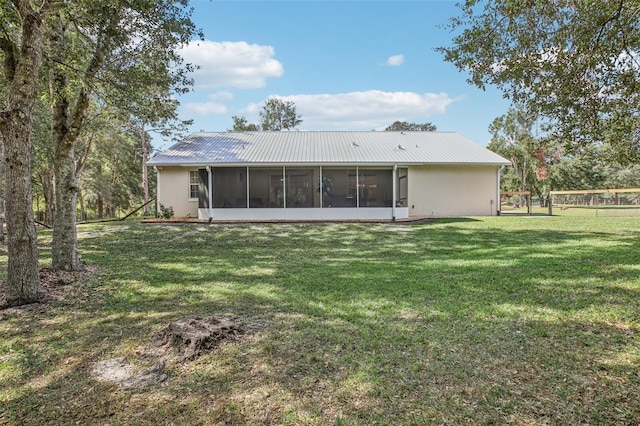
(395,60)
(372,109)
(204,108)
(231,64)
(220,96)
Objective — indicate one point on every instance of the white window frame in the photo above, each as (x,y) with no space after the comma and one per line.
(193,173)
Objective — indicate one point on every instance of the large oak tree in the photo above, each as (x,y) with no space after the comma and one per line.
(574,62)
(109,50)
(22,29)
(124,54)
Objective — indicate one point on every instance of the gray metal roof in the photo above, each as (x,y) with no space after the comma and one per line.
(325,148)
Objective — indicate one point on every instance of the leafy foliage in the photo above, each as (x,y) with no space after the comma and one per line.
(240,124)
(399,126)
(531,156)
(277,114)
(574,63)
(540,163)
(166,212)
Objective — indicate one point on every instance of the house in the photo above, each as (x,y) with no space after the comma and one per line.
(328,176)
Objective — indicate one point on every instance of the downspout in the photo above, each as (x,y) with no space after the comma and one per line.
(498,191)
(394,178)
(157,169)
(210,183)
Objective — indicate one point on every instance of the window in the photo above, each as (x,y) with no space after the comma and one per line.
(193,184)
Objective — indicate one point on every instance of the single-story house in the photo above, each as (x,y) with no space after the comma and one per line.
(324,175)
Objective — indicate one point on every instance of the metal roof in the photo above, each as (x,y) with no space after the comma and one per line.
(325,148)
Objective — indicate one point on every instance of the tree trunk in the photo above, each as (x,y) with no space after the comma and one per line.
(66,129)
(16,122)
(100,207)
(64,253)
(50,198)
(83,211)
(1,192)
(47,182)
(145,175)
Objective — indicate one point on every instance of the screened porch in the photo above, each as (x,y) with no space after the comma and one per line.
(302,193)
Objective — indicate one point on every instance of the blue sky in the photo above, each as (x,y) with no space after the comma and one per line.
(346,65)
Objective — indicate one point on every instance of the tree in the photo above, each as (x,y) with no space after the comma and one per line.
(403,126)
(111,180)
(531,157)
(240,124)
(162,118)
(277,114)
(583,168)
(574,63)
(121,52)
(22,30)
(1,191)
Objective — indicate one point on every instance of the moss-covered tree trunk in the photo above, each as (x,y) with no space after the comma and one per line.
(64,253)
(22,58)
(1,191)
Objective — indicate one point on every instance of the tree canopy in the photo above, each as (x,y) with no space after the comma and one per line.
(574,63)
(276,114)
(110,52)
(399,126)
(531,156)
(240,124)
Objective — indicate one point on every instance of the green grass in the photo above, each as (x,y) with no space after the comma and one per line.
(508,320)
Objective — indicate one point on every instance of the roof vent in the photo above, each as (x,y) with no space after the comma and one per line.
(354,144)
(400,148)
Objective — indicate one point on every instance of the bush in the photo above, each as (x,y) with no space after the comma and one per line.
(166,212)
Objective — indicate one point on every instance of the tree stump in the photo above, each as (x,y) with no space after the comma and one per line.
(189,337)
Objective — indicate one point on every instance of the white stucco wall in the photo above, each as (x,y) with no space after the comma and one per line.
(445,191)
(173,190)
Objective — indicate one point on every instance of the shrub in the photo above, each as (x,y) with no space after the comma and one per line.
(166,211)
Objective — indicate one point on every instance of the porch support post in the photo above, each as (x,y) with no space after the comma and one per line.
(394,178)
(247,187)
(321,186)
(210,183)
(357,188)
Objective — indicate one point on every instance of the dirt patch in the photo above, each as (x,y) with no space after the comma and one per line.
(180,341)
(55,286)
(126,375)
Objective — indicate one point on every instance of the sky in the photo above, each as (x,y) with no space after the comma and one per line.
(346,65)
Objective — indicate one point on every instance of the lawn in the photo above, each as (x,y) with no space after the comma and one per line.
(504,320)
